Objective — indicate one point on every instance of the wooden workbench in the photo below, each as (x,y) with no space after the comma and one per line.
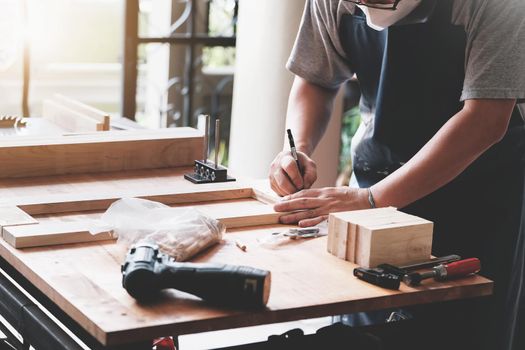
(84,279)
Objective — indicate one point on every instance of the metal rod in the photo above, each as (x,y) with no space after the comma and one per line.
(206,138)
(184,38)
(217,140)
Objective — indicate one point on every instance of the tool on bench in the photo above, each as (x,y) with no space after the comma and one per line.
(404,270)
(146,272)
(445,271)
(204,170)
(378,277)
(303,232)
(10,121)
(390,276)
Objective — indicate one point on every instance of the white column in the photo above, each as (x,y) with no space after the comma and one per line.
(266,33)
(156,75)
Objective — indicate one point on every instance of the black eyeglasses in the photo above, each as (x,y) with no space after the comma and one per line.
(390,7)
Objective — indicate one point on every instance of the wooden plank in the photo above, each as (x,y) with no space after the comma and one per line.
(64,203)
(341,239)
(264,196)
(14,216)
(84,280)
(49,234)
(330,239)
(113,184)
(105,152)
(102,117)
(98,137)
(65,230)
(351,243)
(45,234)
(69,119)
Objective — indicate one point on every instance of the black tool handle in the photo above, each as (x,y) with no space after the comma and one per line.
(240,286)
(432,262)
(378,277)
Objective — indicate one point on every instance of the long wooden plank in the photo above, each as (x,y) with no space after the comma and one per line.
(54,204)
(132,182)
(84,280)
(105,152)
(98,137)
(50,231)
(38,235)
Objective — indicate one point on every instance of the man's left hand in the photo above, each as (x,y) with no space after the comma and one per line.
(310,207)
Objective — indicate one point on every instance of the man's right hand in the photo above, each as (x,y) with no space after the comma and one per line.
(285,177)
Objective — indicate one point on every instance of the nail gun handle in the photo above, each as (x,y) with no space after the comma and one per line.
(463,267)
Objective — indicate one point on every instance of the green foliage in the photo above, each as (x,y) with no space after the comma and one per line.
(350,123)
(218,56)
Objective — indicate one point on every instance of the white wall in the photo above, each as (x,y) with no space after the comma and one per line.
(266,33)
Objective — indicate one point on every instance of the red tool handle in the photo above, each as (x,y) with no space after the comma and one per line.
(463,267)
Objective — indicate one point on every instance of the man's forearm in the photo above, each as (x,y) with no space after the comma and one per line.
(309,110)
(458,143)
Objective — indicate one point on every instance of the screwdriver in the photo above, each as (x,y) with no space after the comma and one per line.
(445,271)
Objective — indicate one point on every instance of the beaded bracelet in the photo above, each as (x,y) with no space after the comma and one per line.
(371,199)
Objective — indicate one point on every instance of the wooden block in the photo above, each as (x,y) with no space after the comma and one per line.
(102,152)
(330,238)
(14,216)
(351,242)
(343,237)
(376,236)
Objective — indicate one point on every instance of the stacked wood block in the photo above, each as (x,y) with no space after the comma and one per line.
(376,236)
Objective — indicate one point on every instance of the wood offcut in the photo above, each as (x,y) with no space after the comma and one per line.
(377,236)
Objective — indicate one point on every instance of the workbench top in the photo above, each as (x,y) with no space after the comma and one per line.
(84,279)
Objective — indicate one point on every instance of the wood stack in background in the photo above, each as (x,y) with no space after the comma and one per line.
(119,150)
(74,116)
(377,236)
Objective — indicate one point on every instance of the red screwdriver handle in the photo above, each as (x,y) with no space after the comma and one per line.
(463,267)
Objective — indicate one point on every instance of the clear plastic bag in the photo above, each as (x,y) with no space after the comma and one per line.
(179,232)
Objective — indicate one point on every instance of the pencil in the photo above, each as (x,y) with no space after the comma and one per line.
(294,151)
(240,245)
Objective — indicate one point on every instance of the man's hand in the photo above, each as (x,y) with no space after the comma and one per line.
(285,177)
(312,206)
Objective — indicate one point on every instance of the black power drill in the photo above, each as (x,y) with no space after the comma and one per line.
(146,272)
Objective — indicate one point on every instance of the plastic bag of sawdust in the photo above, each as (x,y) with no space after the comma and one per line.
(179,232)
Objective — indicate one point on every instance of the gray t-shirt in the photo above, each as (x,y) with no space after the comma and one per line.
(495,50)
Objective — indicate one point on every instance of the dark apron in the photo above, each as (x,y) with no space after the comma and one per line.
(411,79)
